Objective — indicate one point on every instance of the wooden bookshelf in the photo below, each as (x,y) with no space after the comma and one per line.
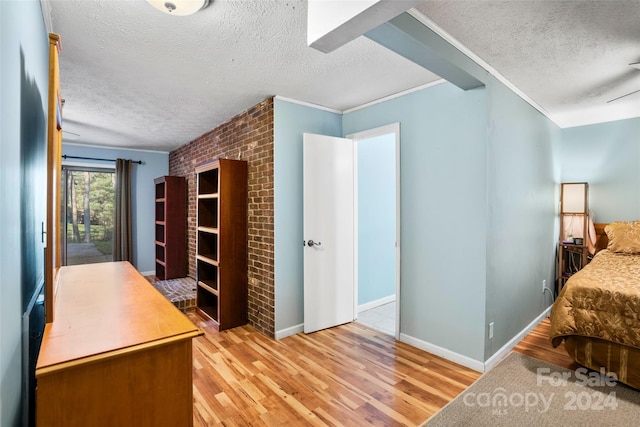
(221,242)
(170,227)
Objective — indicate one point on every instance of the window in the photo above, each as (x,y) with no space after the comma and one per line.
(88,215)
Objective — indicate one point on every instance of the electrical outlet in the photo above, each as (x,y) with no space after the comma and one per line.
(490,330)
(544,285)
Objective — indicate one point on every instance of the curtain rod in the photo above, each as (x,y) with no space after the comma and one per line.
(94,158)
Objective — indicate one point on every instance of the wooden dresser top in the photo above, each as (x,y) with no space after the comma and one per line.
(104,310)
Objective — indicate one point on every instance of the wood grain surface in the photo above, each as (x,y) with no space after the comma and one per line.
(107,307)
(349,375)
(118,353)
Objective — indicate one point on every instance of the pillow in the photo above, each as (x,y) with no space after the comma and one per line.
(624,237)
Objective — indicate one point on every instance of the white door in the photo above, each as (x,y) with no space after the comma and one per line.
(328,188)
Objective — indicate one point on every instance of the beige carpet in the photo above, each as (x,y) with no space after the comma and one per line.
(523,391)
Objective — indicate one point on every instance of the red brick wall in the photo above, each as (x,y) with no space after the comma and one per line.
(248,136)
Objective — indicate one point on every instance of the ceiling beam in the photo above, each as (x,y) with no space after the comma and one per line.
(334,23)
(410,38)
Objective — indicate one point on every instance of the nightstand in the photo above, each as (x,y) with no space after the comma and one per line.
(572,258)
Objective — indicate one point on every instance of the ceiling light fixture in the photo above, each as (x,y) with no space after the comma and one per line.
(179,7)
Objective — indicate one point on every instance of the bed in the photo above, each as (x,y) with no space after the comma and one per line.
(597,313)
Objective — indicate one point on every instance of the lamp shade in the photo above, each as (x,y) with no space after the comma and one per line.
(574,198)
(179,7)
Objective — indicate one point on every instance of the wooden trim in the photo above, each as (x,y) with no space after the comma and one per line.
(601,237)
(54,166)
(208,288)
(120,352)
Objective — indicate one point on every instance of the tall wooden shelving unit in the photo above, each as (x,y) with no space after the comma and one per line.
(171,223)
(221,242)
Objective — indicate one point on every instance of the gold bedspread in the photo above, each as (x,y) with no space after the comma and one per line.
(601,301)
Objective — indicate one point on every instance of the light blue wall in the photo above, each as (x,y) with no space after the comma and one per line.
(21,30)
(478,176)
(155,164)
(443,212)
(290,122)
(521,184)
(376,218)
(607,156)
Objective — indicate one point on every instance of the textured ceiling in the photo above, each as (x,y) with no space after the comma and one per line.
(568,56)
(134,77)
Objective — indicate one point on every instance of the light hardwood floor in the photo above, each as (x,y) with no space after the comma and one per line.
(348,375)
(537,345)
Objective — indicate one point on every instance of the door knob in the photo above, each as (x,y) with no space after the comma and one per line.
(311,243)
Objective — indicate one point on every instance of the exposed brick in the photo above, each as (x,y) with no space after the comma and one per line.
(248,136)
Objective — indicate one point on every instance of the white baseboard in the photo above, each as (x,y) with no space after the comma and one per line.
(148,273)
(283,333)
(460,359)
(476,365)
(498,355)
(376,303)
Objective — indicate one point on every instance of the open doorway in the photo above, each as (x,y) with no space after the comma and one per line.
(87,215)
(378,227)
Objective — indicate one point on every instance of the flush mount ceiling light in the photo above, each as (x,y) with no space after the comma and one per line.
(179,7)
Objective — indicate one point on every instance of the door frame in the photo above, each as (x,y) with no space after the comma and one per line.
(392,128)
(80,167)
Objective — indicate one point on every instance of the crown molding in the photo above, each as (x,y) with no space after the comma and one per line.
(395,95)
(307,104)
(45,5)
(103,147)
(475,58)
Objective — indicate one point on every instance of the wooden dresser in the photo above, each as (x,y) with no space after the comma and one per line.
(117,354)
